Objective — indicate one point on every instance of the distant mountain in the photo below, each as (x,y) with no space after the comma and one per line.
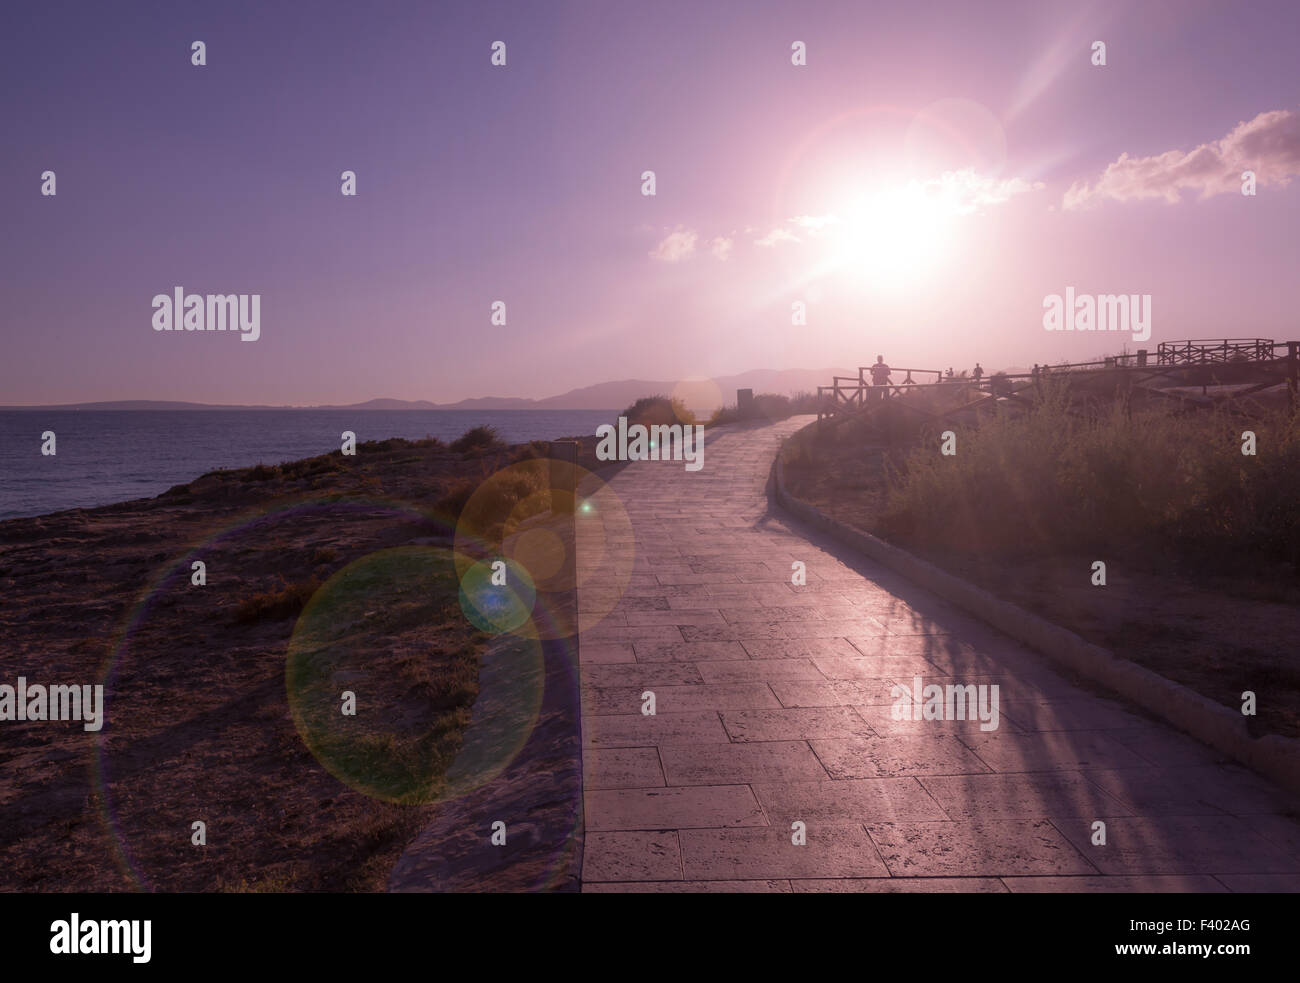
(625,392)
(385,404)
(603,396)
(493,403)
(141,404)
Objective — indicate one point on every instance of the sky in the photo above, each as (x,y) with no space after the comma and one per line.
(920,185)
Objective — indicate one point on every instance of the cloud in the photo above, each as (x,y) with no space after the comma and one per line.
(952,193)
(1269,145)
(779,234)
(676,246)
(814,223)
(965,192)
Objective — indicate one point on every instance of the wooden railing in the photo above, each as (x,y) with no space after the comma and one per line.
(1272,362)
(1199,351)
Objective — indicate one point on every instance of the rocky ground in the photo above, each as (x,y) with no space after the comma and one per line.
(200,725)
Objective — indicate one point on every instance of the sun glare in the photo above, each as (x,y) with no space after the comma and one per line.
(892,236)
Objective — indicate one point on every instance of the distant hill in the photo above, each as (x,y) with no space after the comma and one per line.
(603,396)
(141,404)
(623,393)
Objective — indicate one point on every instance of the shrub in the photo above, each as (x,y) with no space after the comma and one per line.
(658,411)
(477,438)
(767,406)
(1058,478)
(453,500)
(273,605)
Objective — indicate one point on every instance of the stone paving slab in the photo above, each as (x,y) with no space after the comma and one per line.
(719,764)
(1182,844)
(673,808)
(798,648)
(745,726)
(767,852)
(622,767)
(981,849)
(1073,714)
(676,699)
(1151,884)
(631,856)
(898,667)
(815,693)
(1022,796)
(776,704)
(681,652)
(643,674)
(690,887)
(1262,883)
(897,756)
(847,801)
(758,670)
(635,730)
(882,720)
(1051,751)
(901,885)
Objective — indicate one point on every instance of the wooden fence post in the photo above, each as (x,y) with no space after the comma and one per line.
(1291,374)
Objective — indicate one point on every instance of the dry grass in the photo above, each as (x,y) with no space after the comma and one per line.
(1201,542)
(273,605)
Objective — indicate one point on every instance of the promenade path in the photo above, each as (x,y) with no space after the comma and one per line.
(773,706)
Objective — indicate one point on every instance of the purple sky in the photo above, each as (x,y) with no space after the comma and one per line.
(523,184)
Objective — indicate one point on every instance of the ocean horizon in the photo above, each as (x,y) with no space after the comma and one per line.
(108,456)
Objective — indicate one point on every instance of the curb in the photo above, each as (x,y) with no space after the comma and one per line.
(1209,722)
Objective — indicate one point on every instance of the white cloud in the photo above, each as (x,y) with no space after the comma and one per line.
(676,246)
(966,192)
(779,234)
(721,246)
(1269,145)
(814,223)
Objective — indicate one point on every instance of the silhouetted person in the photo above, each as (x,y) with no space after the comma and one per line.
(950,373)
(880,374)
(978,373)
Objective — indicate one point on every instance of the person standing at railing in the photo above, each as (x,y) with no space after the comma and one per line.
(978,373)
(880,374)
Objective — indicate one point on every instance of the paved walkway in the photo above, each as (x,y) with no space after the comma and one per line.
(773,706)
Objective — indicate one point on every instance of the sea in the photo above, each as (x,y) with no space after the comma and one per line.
(107,456)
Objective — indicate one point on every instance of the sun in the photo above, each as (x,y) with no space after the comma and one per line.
(892,236)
